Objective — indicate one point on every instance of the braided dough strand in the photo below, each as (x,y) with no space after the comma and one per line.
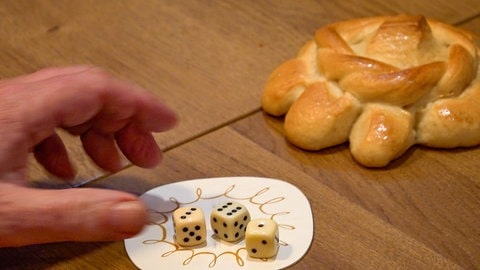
(382,84)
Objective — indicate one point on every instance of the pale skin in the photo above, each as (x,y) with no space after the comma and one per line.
(107,114)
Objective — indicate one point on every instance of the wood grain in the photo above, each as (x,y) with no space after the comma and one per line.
(67,256)
(209,60)
(431,195)
(472,25)
(346,235)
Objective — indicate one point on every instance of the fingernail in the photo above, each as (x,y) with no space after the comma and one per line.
(127,217)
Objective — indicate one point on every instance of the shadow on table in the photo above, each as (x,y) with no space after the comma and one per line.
(66,255)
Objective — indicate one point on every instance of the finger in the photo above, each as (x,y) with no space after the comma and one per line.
(48,73)
(91,95)
(52,155)
(102,150)
(115,115)
(79,129)
(112,117)
(43,74)
(42,216)
(14,160)
(138,146)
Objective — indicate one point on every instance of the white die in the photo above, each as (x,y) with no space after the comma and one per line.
(189,226)
(229,221)
(262,238)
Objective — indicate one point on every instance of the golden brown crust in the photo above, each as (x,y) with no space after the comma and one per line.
(381,134)
(284,86)
(416,77)
(319,119)
(452,122)
(400,88)
(288,81)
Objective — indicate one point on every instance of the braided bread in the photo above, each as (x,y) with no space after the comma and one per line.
(383,84)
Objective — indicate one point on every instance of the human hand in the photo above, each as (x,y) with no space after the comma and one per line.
(105,112)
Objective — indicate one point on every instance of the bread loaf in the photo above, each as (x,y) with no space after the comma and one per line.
(383,84)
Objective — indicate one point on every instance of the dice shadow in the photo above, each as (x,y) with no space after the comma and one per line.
(202,245)
(219,240)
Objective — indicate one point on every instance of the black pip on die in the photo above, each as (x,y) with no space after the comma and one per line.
(262,238)
(229,221)
(189,226)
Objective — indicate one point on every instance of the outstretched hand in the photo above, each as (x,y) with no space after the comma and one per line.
(108,114)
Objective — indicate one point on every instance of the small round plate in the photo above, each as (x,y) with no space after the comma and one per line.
(155,246)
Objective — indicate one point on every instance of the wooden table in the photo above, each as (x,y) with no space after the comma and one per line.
(209,60)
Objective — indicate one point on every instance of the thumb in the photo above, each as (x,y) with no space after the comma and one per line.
(33,216)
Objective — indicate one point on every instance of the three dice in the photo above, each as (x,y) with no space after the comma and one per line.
(231,222)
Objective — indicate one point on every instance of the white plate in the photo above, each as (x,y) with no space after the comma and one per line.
(154,247)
